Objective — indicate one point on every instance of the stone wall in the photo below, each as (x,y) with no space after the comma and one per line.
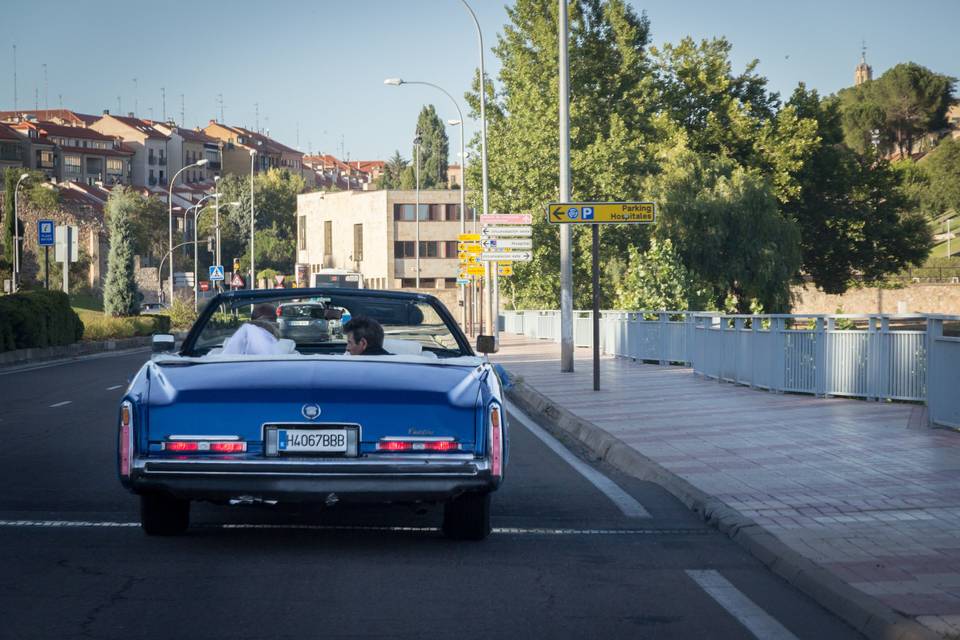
(913,298)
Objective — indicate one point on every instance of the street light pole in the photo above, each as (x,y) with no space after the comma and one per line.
(416,213)
(463,161)
(566,263)
(196,276)
(216,224)
(491,267)
(253,271)
(198,163)
(15,285)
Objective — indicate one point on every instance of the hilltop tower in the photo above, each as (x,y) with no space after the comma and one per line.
(863,72)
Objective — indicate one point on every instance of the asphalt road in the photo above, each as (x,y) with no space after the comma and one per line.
(563,562)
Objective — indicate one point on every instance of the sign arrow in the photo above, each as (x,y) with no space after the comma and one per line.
(557,213)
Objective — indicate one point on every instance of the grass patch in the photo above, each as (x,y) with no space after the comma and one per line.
(86,301)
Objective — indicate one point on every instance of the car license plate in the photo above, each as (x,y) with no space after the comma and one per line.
(300,323)
(312,440)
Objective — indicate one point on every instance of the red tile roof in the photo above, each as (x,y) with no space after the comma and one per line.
(63,131)
(80,119)
(8,133)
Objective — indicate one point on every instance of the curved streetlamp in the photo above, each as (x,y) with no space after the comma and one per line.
(198,163)
(196,227)
(396,82)
(16,234)
(253,271)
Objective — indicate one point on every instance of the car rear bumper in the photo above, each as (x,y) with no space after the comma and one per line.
(310,481)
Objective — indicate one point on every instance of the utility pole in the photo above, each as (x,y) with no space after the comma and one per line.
(136,104)
(220,100)
(119,106)
(46,88)
(183,116)
(256,117)
(163,103)
(566,262)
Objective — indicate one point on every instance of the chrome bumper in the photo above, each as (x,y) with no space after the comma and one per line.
(427,478)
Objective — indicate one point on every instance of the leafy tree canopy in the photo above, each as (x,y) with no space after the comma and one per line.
(120,296)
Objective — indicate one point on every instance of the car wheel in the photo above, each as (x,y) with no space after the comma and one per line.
(467,517)
(163,515)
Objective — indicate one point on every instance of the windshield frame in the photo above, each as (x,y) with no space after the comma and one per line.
(187,348)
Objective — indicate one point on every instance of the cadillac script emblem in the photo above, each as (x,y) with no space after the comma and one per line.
(310,411)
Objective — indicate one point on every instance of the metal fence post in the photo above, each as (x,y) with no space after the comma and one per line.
(873,360)
(883,364)
(819,359)
(754,349)
(778,328)
(829,360)
(664,339)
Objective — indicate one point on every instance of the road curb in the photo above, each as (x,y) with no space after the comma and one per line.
(69,351)
(864,613)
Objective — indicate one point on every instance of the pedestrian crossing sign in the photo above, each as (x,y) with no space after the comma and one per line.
(216,272)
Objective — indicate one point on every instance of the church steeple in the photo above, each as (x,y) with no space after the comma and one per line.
(863,72)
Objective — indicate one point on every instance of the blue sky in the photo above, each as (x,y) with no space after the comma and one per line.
(316,67)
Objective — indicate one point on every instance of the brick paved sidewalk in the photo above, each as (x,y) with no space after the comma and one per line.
(864,489)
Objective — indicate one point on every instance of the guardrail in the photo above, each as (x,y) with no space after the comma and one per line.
(876,357)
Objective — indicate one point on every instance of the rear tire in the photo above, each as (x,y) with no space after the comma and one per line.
(163,515)
(467,517)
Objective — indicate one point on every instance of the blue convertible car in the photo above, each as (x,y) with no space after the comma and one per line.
(299,420)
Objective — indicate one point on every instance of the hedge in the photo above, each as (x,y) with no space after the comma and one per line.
(38,319)
(103,327)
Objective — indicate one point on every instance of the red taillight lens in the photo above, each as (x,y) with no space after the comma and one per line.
(418,445)
(228,447)
(496,443)
(181,446)
(204,446)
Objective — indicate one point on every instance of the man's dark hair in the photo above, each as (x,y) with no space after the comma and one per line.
(264,311)
(363,327)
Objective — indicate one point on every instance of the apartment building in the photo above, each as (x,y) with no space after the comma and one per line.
(150,158)
(239,141)
(13,149)
(186,147)
(77,154)
(374,233)
(64,117)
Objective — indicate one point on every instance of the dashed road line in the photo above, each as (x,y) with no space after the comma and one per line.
(60,404)
(516,531)
(116,386)
(624,501)
(755,619)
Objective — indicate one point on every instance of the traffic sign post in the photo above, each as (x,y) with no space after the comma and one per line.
(216,272)
(46,239)
(595,214)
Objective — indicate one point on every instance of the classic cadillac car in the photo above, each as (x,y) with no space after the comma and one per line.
(308,423)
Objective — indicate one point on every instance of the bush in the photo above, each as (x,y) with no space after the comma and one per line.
(38,319)
(181,314)
(102,327)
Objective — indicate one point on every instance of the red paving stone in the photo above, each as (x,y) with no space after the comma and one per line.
(854,486)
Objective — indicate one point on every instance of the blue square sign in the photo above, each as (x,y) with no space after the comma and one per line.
(587,213)
(45,233)
(216,272)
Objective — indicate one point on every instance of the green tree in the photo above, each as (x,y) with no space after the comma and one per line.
(34,192)
(941,168)
(434,149)
(120,295)
(654,279)
(613,124)
(853,214)
(392,172)
(896,109)
(725,223)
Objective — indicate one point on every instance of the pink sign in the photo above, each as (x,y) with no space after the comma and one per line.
(507,218)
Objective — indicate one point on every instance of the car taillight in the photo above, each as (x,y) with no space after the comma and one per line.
(126,440)
(414,444)
(496,442)
(204,446)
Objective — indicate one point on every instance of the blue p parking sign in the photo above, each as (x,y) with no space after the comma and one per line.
(45,233)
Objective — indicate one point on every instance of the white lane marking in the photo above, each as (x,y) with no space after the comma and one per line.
(116,386)
(60,404)
(5,371)
(758,621)
(624,501)
(533,531)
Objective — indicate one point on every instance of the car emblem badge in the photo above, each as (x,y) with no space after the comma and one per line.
(310,411)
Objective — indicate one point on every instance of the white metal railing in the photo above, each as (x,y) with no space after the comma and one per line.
(889,357)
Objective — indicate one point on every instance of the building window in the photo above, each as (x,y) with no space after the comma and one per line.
(302,232)
(403,212)
(72,164)
(450,249)
(115,166)
(436,211)
(453,212)
(327,238)
(429,249)
(403,249)
(358,242)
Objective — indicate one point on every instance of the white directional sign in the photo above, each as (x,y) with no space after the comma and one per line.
(67,236)
(507,232)
(496,244)
(500,256)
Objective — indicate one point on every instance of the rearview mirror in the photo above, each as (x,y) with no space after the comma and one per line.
(486,344)
(163,342)
(332,314)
